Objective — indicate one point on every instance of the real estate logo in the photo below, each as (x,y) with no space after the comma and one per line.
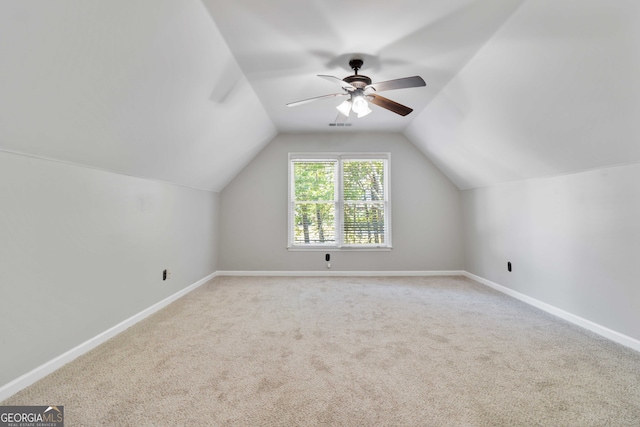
(31,416)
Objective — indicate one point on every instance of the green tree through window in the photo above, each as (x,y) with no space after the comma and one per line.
(363,191)
(339,201)
(314,202)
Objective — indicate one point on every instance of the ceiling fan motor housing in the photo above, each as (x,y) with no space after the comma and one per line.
(358,81)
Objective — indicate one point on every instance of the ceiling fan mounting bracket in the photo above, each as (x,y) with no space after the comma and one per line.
(356,64)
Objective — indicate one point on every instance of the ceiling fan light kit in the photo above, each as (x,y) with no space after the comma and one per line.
(361,91)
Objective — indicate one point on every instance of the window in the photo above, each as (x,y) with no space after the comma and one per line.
(339,201)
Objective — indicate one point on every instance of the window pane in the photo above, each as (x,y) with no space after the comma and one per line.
(363,180)
(339,199)
(363,223)
(314,181)
(314,223)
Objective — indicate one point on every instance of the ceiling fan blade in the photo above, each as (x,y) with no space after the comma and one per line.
(341,118)
(341,121)
(305,101)
(344,85)
(406,82)
(389,105)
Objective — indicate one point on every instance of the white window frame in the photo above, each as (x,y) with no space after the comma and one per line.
(339,203)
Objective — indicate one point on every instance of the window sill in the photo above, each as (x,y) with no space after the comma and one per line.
(339,249)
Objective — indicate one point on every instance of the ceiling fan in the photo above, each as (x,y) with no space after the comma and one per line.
(361,91)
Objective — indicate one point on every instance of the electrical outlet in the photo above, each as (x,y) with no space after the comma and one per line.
(166,274)
(509,266)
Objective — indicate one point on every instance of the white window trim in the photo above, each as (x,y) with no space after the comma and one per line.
(339,156)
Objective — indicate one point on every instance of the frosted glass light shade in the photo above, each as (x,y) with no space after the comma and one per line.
(345,107)
(359,104)
(364,111)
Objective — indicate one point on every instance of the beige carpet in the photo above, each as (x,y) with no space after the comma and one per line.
(439,351)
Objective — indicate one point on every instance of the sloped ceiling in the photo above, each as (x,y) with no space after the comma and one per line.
(143,88)
(188,91)
(555,91)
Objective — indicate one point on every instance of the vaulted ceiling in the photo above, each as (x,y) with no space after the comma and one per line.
(189,91)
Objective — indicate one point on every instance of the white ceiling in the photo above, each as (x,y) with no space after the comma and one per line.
(555,91)
(140,87)
(189,91)
(282,45)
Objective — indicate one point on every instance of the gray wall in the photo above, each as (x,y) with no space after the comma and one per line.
(573,240)
(82,250)
(426,220)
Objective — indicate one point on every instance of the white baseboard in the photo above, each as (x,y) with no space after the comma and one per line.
(336,273)
(577,320)
(45,369)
